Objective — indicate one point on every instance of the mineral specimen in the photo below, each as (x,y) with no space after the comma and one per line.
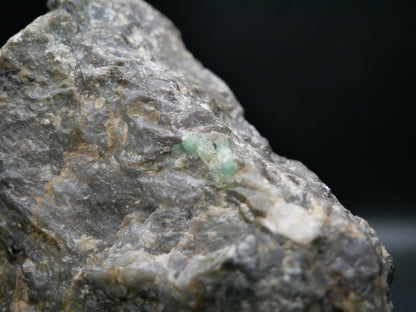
(130,181)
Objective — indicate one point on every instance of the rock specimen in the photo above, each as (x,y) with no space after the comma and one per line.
(130,181)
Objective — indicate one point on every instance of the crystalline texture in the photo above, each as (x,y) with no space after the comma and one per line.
(130,181)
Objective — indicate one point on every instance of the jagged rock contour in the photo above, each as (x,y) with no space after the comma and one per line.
(130,181)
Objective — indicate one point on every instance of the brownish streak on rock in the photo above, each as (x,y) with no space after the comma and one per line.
(20,297)
(68,157)
(147,110)
(117,131)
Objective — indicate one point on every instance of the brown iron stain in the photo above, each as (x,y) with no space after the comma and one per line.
(117,131)
(90,151)
(20,301)
(146,109)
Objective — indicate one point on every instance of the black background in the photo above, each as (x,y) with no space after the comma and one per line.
(329,83)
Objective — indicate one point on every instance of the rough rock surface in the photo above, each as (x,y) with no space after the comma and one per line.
(130,181)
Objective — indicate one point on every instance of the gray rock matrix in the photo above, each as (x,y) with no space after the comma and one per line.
(130,181)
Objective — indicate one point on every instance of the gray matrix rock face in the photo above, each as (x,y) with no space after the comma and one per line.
(130,181)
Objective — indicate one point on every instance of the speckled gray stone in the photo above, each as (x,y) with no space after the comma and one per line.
(130,181)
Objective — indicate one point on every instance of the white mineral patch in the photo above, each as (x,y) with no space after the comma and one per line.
(293,222)
(28,266)
(86,243)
